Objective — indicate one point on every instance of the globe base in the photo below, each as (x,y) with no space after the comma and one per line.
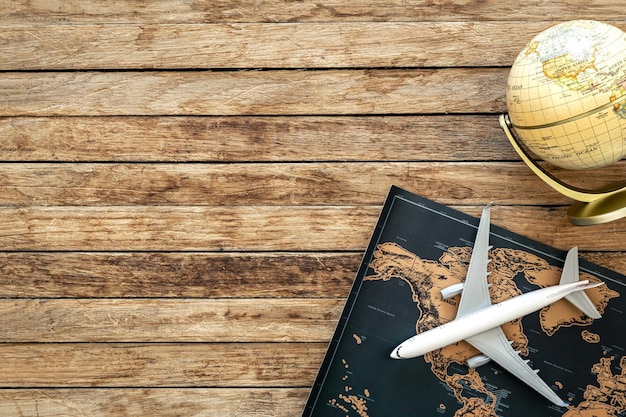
(600,210)
(591,206)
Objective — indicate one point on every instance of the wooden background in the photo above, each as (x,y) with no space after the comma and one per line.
(187,187)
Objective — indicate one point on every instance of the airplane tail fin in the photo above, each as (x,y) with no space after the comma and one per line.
(579,298)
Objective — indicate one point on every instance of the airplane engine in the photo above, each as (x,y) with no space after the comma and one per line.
(452,290)
(478,360)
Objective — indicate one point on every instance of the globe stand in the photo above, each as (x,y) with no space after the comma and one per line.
(591,206)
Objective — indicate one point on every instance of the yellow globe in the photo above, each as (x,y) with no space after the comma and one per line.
(566,94)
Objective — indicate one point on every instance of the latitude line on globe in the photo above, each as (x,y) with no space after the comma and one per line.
(573,118)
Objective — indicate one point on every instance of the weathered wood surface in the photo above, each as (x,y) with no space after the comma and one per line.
(188,187)
(177,274)
(298,184)
(189,275)
(157,402)
(253,139)
(169,320)
(274,92)
(236,45)
(256,228)
(215,365)
(176,11)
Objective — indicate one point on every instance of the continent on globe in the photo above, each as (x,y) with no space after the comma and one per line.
(566,94)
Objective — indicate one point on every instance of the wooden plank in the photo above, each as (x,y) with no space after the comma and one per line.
(295,45)
(263,184)
(269,139)
(168,320)
(258,228)
(156,402)
(186,228)
(176,11)
(193,275)
(176,275)
(269,184)
(340,92)
(213,365)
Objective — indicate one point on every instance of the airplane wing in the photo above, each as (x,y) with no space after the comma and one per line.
(494,344)
(475,293)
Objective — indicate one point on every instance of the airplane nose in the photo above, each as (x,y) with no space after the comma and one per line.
(396,353)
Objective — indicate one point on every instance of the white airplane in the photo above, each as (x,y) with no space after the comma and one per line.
(478,321)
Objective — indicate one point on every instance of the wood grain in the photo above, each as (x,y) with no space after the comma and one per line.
(254,139)
(261,184)
(236,45)
(257,228)
(268,184)
(205,402)
(170,365)
(158,402)
(175,11)
(87,275)
(169,320)
(177,274)
(170,228)
(301,92)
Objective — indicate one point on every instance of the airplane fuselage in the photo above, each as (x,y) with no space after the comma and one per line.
(484,319)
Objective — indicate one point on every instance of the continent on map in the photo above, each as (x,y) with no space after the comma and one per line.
(427,278)
(608,399)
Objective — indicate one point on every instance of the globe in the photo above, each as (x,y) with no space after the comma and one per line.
(566,95)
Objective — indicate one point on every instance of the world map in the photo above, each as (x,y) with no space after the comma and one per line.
(397,294)
(426,280)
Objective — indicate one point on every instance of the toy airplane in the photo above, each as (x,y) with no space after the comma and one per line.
(478,321)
